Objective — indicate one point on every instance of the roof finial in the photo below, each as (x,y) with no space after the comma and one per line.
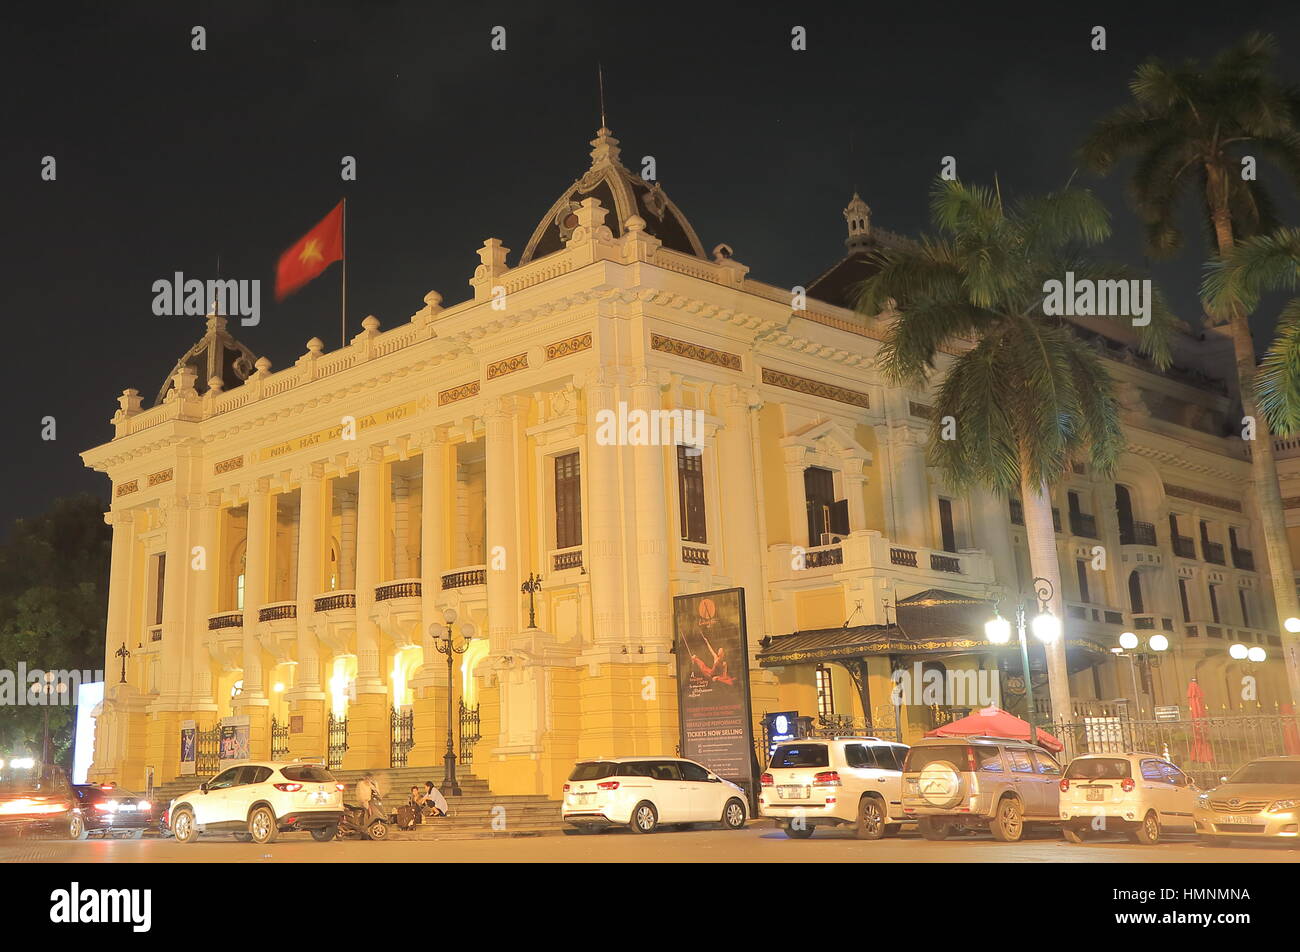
(600,82)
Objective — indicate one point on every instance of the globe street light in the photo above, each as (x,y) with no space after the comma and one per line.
(1256,654)
(1292,625)
(1128,642)
(1238,652)
(443,641)
(1046,628)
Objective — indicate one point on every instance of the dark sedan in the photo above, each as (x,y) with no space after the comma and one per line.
(109,811)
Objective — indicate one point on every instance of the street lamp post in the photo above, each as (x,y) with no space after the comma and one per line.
(1046,628)
(444,640)
(1129,641)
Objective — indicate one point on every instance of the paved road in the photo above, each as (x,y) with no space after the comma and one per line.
(758,843)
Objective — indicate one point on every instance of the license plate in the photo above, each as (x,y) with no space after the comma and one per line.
(320,797)
(583,796)
(1236,818)
(792,793)
(1097,794)
(126,808)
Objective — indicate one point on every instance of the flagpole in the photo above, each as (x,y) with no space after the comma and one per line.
(344,316)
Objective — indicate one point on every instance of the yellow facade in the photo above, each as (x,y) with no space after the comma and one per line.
(316,522)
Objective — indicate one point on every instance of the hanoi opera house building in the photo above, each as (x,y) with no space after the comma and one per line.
(283,541)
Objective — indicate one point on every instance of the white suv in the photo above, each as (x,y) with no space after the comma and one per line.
(260,800)
(1137,793)
(645,793)
(829,781)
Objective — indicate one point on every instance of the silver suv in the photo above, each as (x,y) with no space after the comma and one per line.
(994,783)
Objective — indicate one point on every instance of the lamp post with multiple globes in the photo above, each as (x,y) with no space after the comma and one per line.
(444,640)
(1127,643)
(1045,626)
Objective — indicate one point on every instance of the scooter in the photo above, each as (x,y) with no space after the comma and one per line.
(358,822)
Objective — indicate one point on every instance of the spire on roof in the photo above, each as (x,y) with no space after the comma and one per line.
(604,148)
(858,215)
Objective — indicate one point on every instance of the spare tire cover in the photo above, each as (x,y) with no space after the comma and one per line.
(940,784)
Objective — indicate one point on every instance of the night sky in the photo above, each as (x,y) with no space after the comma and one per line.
(168,158)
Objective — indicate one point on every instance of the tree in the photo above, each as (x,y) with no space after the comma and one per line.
(53,606)
(1199,130)
(1028,395)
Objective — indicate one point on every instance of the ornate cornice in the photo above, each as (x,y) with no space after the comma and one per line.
(815,388)
(707,355)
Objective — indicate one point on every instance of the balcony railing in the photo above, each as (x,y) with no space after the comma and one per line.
(820,558)
(225,620)
(903,557)
(694,555)
(464,579)
(155,633)
(1137,533)
(278,611)
(1018,514)
(945,563)
(1243,559)
(566,559)
(1213,552)
(1184,547)
(1083,524)
(406,588)
(335,600)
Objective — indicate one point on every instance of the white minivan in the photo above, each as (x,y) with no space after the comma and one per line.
(645,793)
(1139,794)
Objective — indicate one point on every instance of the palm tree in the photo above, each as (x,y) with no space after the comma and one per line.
(1028,395)
(1194,127)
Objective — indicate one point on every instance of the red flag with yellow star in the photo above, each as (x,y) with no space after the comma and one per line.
(311,254)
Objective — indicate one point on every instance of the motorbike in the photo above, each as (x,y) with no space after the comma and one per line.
(358,822)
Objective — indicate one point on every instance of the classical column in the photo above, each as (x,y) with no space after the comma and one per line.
(855,481)
(735,465)
(256,563)
(502,555)
(207,538)
(370,533)
(117,630)
(652,549)
(429,686)
(910,485)
(119,718)
(307,699)
(603,553)
(347,540)
(401,527)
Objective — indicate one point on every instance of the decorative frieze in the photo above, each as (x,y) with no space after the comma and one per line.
(163,476)
(564,348)
(706,355)
(919,409)
(125,489)
(228,465)
(1205,499)
(463,392)
(816,388)
(499,368)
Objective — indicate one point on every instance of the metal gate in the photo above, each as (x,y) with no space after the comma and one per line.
(401,736)
(279,740)
(338,740)
(469,735)
(207,752)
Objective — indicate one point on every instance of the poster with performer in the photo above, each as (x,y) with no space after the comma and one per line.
(234,738)
(189,748)
(713,683)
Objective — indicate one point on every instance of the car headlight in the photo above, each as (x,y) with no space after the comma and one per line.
(1281,806)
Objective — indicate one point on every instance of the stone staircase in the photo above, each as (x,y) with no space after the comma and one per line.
(471,814)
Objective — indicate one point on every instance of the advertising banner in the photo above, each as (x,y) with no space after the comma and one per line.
(234,739)
(189,748)
(713,683)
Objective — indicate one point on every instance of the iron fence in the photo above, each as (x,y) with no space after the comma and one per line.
(338,740)
(279,740)
(207,752)
(401,736)
(1205,748)
(469,733)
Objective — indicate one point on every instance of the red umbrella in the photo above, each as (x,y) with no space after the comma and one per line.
(1201,752)
(995,722)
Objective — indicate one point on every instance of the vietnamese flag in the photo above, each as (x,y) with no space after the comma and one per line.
(311,254)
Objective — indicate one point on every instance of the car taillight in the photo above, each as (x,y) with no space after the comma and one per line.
(104,807)
(1065,785)
(608,785)
(767,780)
(1127,784)
(828,778)
(566,788)
(144,805)
(288,787)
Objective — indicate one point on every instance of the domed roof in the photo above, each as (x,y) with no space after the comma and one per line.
(624,194)
(217,354)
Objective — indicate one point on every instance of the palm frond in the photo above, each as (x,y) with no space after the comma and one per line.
(1277,382)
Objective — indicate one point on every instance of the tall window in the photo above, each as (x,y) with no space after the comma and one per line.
(568,501)
(1214,603)
(239,593)
(825,692)
(160,576)
(690,493)
(1135,593)
(826,514)
(1081,569)
(947,534)
(1182,597)
(1245,607)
